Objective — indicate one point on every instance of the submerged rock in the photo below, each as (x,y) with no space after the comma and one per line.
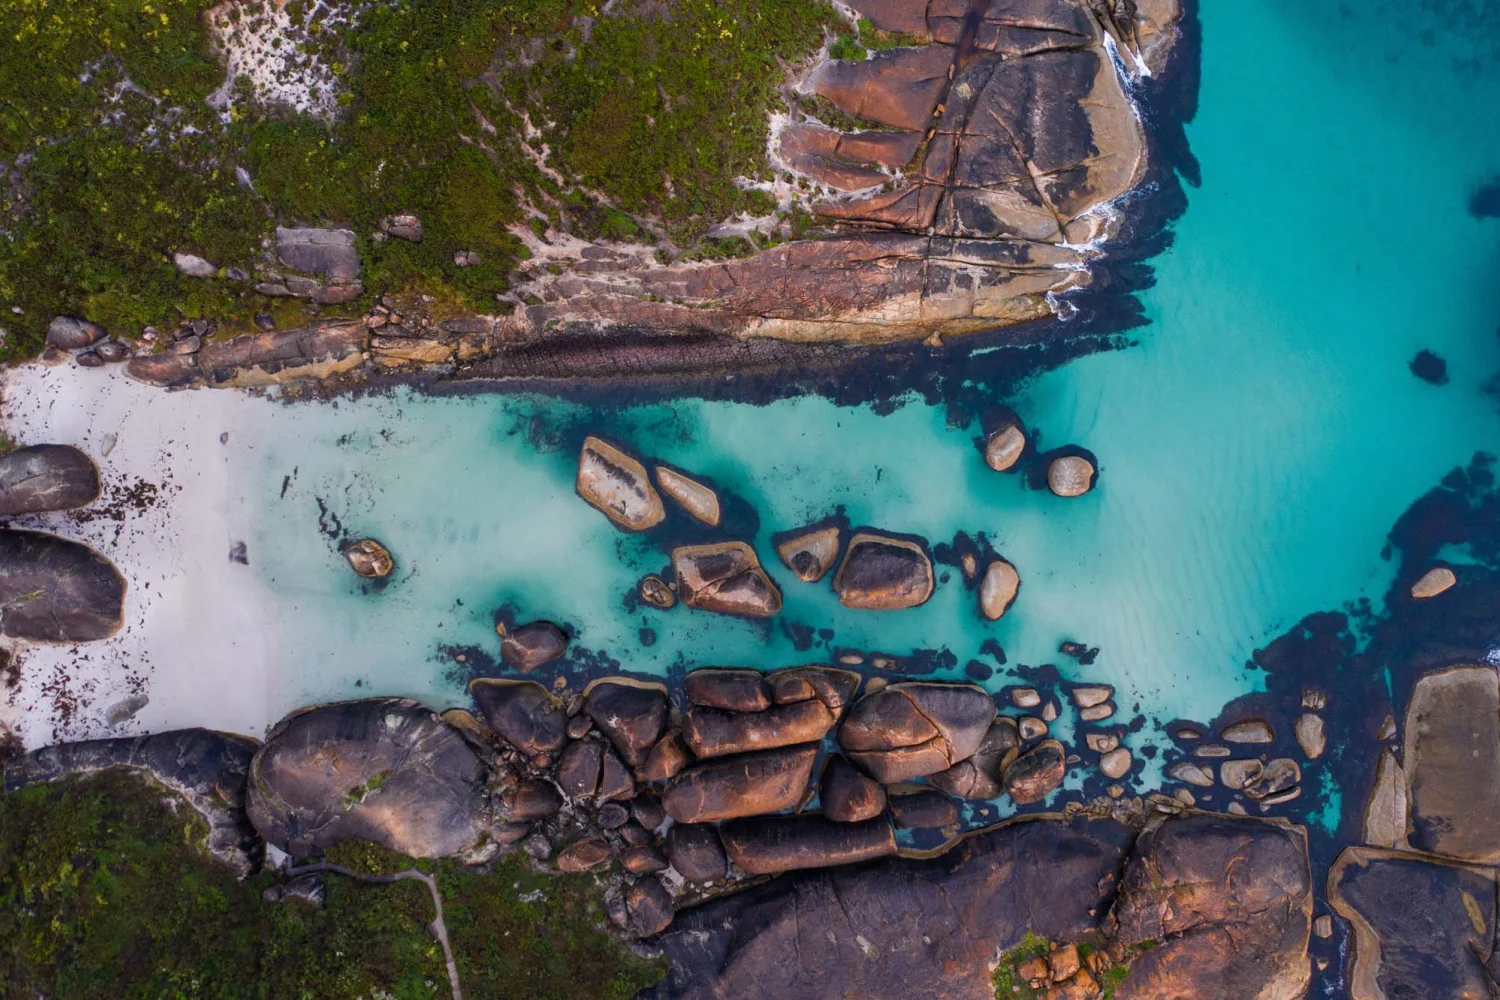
(725,577)
(1070,476)
(1311,736)
(46,477)
(747,785)
(882,573)
(56,590)
(524,713)
(533,645)
(207,769)
(387,770)
(694,497)
(370,559)
(810,555)
(617,484)
(1435,581)
(911,730)
(998,589)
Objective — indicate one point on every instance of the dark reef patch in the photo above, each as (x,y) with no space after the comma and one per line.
(1429,368)
(1485,204)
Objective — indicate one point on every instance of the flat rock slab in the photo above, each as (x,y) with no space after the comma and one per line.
(1452,761)
(770,845)
(318,351)
(713,732)
(1422,927)
(329,252)
(387,770)
(617,484)
(56,590)
(46,477)
(898,929)
(207,769)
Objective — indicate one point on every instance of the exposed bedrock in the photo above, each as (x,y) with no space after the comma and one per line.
(56,590)
(207,769)
(386,770)
(931,928)
(46,477)
(1421,897)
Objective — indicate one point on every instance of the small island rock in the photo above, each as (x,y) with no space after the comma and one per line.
(1003,448)
(693,496)
(725,577)
(810,555)
(882,573)
(1070,476)
(370,559)
(617,484)
(1433,582)
(998,590)
(532,645)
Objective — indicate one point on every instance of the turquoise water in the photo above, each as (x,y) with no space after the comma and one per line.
(1256,445)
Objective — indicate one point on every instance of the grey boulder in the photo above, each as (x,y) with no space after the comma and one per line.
(46,477)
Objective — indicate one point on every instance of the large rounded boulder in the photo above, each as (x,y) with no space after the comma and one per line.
(46,477)
(725,577)
(912,730)
(883,573)
(55,590)
(387,770)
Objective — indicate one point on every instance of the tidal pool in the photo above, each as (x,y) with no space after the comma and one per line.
(1257,442)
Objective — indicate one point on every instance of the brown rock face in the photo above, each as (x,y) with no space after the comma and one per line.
(748,785)
(523,713)
(880,573)
(648,908)
(618,485)
(769,845)
(1233,900)
(848,796)
(830,685)
(533,645)
(582,855)
(810,555)
(911,730)
(998,589)
(725,577)
(925,809)
(694,497)
(322,350)
(56,590)
(978,777)
(1003,449)
(1452,761)
(46,477)
(712,732)
(731,690)
(667,758)
(631,714)
(696,853)
(1433,582)
(369,558)
(1036,773)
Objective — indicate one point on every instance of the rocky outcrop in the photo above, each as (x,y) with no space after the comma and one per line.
(747,785)
(68,333)
(899,929)
(320,351)
(692,496)
(385,770)
(912,730)
(730,690)
(523,713)
(712,732)
(810,555)
(533,645)
(55,590)
(46,477)
(1036,773)
(979,776)
(617,484)
(204,768)
(770,845)
(725,577)
(1227,902)
(1452,762)
(833,687)
(631,713)
(883,573)
(368,558)
(846,795)
(1004,447)
(1422,927)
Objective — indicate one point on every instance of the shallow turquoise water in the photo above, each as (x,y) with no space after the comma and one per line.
(1257,444)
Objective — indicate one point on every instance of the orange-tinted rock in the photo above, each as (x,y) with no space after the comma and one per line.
(525,714)
(648,908)
(833,687)
(631,714)
(1036,773)
(732,690)
(882,573)
(979,776)
(847,795)
(915,729)
(748,785)
(582,855)
(618,485)
(924,809)
(712,732)
(725,577)
(898,88)
(810,555)
(769,845)
(667,758)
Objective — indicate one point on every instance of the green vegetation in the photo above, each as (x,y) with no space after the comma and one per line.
(1011,985)
(105,894)
(110,159)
